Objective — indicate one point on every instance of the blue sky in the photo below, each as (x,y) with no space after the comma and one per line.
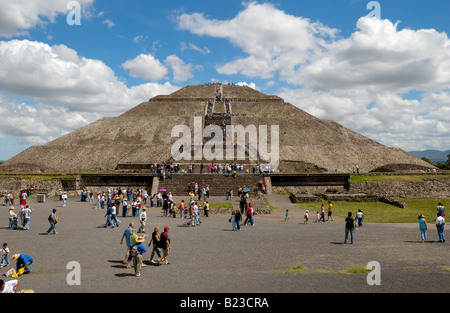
(387,77)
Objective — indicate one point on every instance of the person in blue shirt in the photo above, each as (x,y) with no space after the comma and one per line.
(23,261)
(136,252)
(423,227)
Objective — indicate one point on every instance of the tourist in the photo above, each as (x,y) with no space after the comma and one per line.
(238,220)
(52,220)
(330,211)
(114,215)
(23,261)
(155,241)
(359,218)
(349,227)
(124,207)
(322,213)
(441,209)
(317,217)
(232,220)
(126,235)
(143,220)
(64,199)
(12,218)
(249,215)
(286,215)
(136,252)
(108,216)
(306,216)
(196,214)
(164,244)
(26,213)
(440,222)
(423,227)
(206,208)
(5,255)
(9,286)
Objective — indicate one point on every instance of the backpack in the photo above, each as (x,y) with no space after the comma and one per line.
(349,222)
(134,251)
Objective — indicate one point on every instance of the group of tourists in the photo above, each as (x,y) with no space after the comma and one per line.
(23,262)
(440,224)
(135,247)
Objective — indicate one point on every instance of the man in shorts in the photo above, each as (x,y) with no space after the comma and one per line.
(164,244)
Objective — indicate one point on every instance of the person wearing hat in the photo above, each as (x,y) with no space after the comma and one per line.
(422,227)
(164,244)
(136,253)
(23,261)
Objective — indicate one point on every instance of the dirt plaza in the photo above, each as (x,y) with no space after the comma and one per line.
(211,258)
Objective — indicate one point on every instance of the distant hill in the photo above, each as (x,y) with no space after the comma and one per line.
(434,156)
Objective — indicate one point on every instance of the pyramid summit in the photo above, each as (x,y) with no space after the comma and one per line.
(145,135)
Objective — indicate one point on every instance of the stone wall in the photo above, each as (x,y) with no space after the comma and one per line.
(438,188)
(17,184)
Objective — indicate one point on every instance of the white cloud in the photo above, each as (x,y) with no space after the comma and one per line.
(18,16)
(147,67)
(358,81)
(191,46)
(279,44)
(181,71)
(110,24)
(64,91)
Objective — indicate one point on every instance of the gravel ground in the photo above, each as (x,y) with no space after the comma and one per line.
(210,258)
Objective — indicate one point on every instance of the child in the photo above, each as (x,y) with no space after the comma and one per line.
(286,218)
(317,217)
(5,255)
(306,216)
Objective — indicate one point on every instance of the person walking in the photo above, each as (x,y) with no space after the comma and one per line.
(143,220)
(330,211)
(108,216)
(238,219)
(155,241)
(423,227)
(5,255)
(64,199)
(359,218)
(26,212)
(322,213)
(164,244)
(349,227)
(440,222)
(52,220)
(233,220)
(136,252)
(126,235)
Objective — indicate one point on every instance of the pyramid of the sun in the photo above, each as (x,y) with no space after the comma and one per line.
(142,135)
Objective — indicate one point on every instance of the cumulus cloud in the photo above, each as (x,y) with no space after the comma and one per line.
(147,67)
(64,91)
(18,16)
(181,71)
(279,44)
(361,81)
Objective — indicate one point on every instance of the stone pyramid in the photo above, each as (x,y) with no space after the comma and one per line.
(142,135)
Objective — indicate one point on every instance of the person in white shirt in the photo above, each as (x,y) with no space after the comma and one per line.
(143,219)
(9,286)
(440,222)
(26,212)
